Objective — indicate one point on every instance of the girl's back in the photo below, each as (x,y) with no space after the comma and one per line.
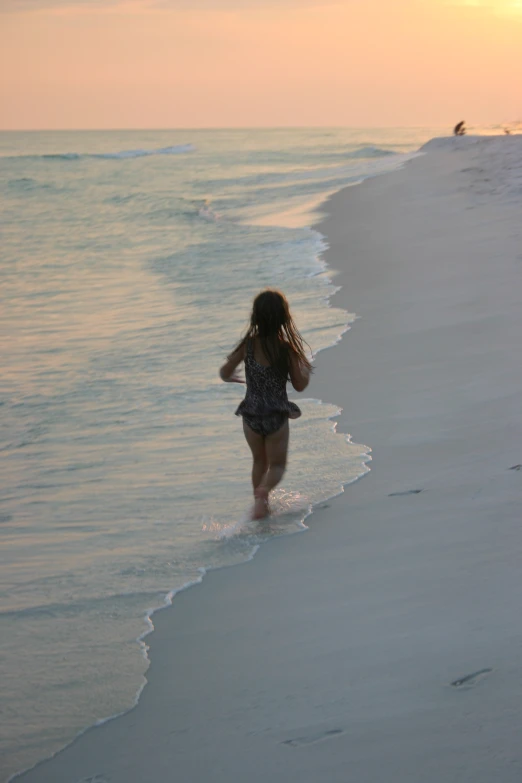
(266,385)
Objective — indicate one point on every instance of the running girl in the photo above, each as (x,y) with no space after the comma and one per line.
(273,353)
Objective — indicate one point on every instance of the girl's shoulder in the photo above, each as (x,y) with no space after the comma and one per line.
(239,351)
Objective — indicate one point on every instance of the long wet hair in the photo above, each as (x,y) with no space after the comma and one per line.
(272,324)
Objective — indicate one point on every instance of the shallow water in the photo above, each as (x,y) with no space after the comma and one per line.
(129,262)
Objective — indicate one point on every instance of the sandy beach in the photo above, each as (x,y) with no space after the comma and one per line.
(384,643)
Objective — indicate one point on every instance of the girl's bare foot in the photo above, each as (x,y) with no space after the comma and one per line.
(261,508)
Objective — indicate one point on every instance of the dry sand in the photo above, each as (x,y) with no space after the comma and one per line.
(331,656)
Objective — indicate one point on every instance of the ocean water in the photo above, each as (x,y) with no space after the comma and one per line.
(129,261)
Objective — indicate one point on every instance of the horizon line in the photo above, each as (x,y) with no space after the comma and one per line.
(250,127)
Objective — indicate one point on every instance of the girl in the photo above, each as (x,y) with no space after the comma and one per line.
(273,353)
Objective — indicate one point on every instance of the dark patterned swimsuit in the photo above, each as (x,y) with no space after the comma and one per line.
(266,406)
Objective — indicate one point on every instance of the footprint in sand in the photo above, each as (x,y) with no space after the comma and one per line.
(407,492)
(470,679)
(307,740)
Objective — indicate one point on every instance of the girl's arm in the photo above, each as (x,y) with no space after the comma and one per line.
(227,372)
(299,374)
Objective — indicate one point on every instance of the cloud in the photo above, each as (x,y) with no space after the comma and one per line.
(20,6)
(13,6)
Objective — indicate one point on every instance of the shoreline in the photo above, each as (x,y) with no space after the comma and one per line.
(275,717)
(204,571)
(310,209)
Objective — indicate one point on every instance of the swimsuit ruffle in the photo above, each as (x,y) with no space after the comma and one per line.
(250,408)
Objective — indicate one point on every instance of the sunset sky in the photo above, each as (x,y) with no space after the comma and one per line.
(227,63)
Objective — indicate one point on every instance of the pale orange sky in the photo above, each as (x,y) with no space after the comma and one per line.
(228,63)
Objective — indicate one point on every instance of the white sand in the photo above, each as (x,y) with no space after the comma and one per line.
(359,626)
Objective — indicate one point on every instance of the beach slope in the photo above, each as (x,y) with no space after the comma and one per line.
(385,643)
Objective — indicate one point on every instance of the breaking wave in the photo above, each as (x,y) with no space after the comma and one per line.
(179,149)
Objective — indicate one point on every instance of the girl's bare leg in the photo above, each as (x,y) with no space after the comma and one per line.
(276,448)
(260,460)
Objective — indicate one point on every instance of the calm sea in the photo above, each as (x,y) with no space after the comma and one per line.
(129,261)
